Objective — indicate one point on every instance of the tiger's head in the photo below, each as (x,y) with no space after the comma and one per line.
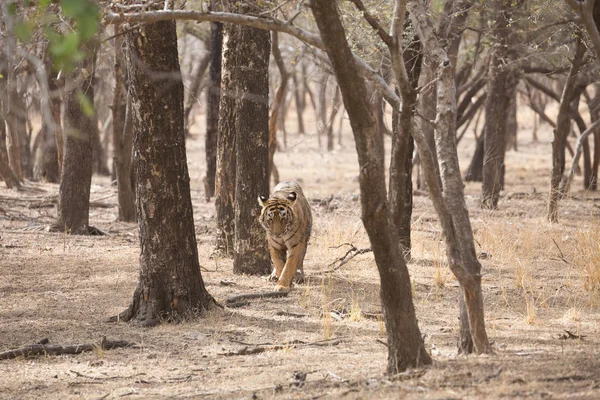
(277,215)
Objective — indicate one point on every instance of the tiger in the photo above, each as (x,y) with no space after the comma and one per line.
(287,218)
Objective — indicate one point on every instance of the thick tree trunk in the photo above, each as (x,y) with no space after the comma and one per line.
(76,179)
(213,95)
(563,127)
(405,344)
(501,86)
(122,137)
(170,285)
(250,77)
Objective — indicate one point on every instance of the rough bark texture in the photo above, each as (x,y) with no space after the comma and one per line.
(6,172)
(226,162)
(500,89)
(76,179)
(401,190)
(213,97)
(563,127)
(448,199)
(250,75)
(170,284)
(405,344)
(122,137)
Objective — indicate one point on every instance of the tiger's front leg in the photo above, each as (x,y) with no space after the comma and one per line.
(279,259)
(295,259)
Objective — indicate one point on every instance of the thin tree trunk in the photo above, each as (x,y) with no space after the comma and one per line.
(276,108)
(6,172)
(76,179)
(250,77)
(501,86)
(194,91)
(450,204)
(226,157)
(300,103)
(563,127)
(405,344)
(122,137)
(474,172)
(170,285)
(213,95)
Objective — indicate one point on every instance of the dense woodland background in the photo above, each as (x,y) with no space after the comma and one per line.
(451,146)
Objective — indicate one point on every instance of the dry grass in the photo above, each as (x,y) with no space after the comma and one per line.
(539,280)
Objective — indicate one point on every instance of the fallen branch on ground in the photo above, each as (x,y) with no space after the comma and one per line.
(55,350)
(247,296)
(250,349)
(350,254)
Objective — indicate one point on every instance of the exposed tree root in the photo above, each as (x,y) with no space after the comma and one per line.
(44,349)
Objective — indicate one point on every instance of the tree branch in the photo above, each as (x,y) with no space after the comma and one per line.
(585,9)
(265,23)
(387,39)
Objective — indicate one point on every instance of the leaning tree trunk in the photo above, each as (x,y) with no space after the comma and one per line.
(563,127)
(501,86)
(170,284)
(6,172)
(76,179)
(250,77)
(405,344)
(213,97)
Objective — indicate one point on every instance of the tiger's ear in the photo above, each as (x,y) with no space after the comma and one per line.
(261,200)
(292,196)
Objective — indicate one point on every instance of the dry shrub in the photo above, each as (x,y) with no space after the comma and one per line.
(587,258)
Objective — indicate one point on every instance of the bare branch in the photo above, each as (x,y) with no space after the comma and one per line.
(387,39)
(585,9)
(271,24)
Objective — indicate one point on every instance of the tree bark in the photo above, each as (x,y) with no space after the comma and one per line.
(405,344)
(226,158)
(250,76)
(563,127)
(76,179)
(6,172)
(450,203)
(122,137)
(501,86)
(170,285)
(213,95)
(474,172)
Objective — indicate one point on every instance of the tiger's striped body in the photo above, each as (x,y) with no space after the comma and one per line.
(287,218)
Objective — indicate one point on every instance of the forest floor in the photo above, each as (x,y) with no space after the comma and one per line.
(541,283)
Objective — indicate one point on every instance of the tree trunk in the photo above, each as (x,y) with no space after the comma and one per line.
(194,91)
(76,179)
(226,158)
(401,190)
(213,95)
(276,107)
(405,344)
(122,137)
(474,172)
(250,76)
(170,285)
(501,86)
(563,127)
(6,172)
(450,203)
(300,103)
(426,107)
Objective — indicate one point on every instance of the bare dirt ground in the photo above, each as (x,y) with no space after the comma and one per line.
(324,339)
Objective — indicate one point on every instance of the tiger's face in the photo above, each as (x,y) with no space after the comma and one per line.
(277,215)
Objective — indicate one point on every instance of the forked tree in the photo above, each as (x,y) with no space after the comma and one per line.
(170,284)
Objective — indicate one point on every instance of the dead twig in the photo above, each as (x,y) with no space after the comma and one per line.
(250,349)
(562,257)
(54,350)
(350,254)
(570,335)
